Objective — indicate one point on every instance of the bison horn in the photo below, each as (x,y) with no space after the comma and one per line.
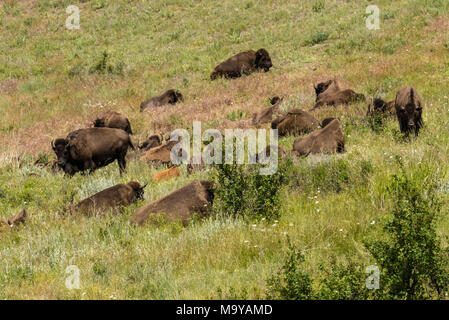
(145,185)
(53,144)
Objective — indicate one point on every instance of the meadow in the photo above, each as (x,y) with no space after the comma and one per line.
(54,80)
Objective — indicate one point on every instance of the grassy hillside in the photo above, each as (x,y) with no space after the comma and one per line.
(51,84)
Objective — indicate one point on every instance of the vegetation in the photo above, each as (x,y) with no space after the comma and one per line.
(342,213)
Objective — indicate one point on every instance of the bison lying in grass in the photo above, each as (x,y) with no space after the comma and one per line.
(329,139)
(92,148)
(114,197)
(243,63)
(330,93)
(168,97)
(115,120)
(180,205)
(19,218)
(295,122)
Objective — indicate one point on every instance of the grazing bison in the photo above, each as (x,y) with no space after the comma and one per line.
(167,174)
(409,110)
(266,115)
(243,63)
(342,97)
(180,205)
(168,97)
(92,148)
(329,139)
(379,106)
(295,122)
(113,119)
(117,196)
(19,218)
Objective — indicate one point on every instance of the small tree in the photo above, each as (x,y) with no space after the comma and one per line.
(413,263)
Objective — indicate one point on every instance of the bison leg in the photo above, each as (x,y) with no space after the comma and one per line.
(121,163)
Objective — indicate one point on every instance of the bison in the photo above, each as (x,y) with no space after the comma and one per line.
(243,63)
(329,139)
(151,142)
(113,120)
(408,108)
(295,122)
(168,97)
(167,174)
(329,86)
(180,205)
(379,106)
(326,121)
(116,196)
(92,148)
(266,115)
(342,97)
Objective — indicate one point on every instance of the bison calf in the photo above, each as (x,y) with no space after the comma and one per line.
(168,97)
(409,110)
(243,63)
(117,196)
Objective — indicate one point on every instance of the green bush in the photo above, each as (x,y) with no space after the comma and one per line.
(243,191)
(291,283)
(413,263)
(316,38)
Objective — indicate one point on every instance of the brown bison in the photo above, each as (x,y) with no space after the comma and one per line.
(329,139)
(160,154)
(119,195)
(180,205)
(409,110)
(329,86)
(92,148)
(326,121)
(295,122)
(266,115)
(19,218)
(168,97)
(152,142)
(342,97)
(379,106)
(113,119)
(243,63)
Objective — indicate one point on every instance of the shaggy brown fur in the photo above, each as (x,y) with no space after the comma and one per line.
(343,97)
(180,205)
(168,97)
(295,122)
(329,139)
(409,110)
(111,198)
(243,63)
(113,119)
(19,218)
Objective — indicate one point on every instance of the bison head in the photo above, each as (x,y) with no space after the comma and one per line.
(326,122)
(62,149)
(263,60)
(175,96)
(410,118)
(274,100)
(99,122)
(377,106)
(138,189)
(322,86)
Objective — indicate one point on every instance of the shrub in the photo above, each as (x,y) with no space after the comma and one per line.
(291,283)
(243,191)
(413,263)
(316,38)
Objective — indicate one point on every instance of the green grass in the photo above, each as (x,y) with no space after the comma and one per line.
(54,80)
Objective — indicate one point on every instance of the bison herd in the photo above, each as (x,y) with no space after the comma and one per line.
(109,140)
